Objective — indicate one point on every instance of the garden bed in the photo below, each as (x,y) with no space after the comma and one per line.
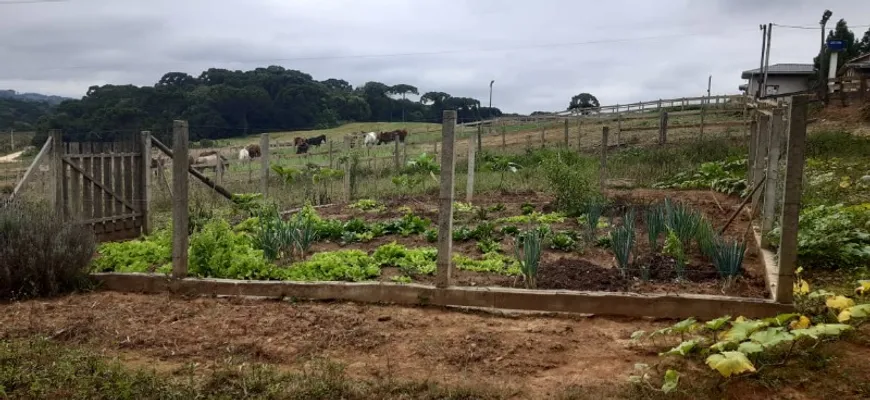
(591,268)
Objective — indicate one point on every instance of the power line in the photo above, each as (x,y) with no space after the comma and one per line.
(811,27)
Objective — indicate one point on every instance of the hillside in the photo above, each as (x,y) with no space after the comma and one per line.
(50,99)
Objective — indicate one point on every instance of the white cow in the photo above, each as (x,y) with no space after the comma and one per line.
(371,139)
(244,155)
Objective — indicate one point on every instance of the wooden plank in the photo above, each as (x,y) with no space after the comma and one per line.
(75,186)
(117,181)
(108,202)
(87,186)
(64,180)
(96,193)
(136,164)
(56,172)
(99,188)
(28,175)
(113,218)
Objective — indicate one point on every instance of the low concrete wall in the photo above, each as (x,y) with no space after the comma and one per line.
(599,303)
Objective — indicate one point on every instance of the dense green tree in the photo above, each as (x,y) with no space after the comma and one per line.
(583,102)
(864,44)
(221,103)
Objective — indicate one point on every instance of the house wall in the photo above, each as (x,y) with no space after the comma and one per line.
(785,83)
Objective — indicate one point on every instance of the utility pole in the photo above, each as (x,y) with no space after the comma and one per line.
(12,138)
(767,57)
(823,87)
(763,29)
(490,96)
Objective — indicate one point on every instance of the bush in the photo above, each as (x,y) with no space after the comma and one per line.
(571,179)
(41,255)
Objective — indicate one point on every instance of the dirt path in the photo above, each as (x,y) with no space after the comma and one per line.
(11,157)
(529,357)
(529,354)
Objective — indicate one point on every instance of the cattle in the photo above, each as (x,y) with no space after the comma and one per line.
(253,150)
(302,148)
(370,139)
(244,155)
(316,141)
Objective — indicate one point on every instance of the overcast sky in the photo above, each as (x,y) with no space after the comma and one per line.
(539,53)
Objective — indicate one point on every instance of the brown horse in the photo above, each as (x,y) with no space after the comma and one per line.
(387,137)
(253,150)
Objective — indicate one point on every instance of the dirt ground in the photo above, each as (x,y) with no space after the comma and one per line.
(531,357)
(593,269)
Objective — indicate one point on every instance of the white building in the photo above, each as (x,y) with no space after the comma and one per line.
(781,79)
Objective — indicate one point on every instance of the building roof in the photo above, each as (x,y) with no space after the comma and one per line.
(862,59)
(782,69)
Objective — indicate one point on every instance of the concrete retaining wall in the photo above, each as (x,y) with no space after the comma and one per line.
(599,303)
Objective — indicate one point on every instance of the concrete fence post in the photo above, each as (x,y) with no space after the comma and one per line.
(791,202)
(264,166)
(603,167)
(179,199)
(145,181)
(347,168)
(469,187)
(396,154)
(758,170)
(444,262)
(772,176)
(753,143)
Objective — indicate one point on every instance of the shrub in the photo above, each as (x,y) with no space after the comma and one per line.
(41,255)
(488,246)
(571,179)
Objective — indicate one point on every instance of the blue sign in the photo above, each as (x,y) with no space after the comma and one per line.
(836,45)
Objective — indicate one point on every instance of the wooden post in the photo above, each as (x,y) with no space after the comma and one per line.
(469,188)
(566,133)
(791,202)
(444,272)
(544,136)
(619,124)
(579,133)
(396,154)
(264,164)
(753,142)
(479,138)
(603,167)
(145,181)
(330,154)
(703,113)
(663,128)
(58,169)
(771,181)
(760,157)
(179,199)
(347,169)
(503,138)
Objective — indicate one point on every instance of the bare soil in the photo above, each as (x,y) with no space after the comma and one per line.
(529,356)
(592,268)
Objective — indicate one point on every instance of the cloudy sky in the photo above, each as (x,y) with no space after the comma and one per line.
(540,52)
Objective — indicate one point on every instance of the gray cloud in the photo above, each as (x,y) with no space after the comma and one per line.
(539,53)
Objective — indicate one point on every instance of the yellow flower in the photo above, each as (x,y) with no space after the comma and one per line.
(839,302)
(802,323)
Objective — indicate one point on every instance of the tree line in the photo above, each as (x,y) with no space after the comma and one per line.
(221,103)
(21,115)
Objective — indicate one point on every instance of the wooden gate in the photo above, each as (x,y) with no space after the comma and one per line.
(104,185)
